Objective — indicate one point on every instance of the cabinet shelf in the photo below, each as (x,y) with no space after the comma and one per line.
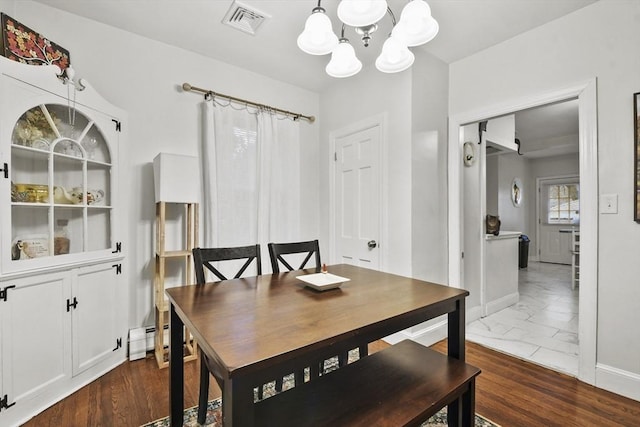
(41,152)
(174,254)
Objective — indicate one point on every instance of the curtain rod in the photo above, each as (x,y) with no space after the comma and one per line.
(188,88)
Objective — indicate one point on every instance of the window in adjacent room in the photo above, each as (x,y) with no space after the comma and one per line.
(563,203)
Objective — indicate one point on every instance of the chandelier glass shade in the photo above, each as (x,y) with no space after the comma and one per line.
(344,62)
(318,37)
(360,13)
(395,56)
(416,27)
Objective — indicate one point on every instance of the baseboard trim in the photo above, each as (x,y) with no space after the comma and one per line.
(474,313)
(502,303)
(618,381)
(428,335)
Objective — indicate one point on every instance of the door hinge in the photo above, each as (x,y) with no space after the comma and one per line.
(118,124)
(462,255)
(118,248)
(3,292)
(118,344)
(118,268)
(71,305)
(335,156)
(4,403)
(5,169)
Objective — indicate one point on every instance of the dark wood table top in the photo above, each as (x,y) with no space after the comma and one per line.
(248,324)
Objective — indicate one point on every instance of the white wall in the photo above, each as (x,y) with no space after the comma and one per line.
(492,185)
(366,95)
(473,224)
(599,40)
(513,218)
(7,7)
(142,77)
(429,98)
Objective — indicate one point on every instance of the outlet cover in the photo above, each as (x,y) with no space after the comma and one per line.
(609,204)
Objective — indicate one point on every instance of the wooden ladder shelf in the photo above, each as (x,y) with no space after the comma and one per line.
(162,257)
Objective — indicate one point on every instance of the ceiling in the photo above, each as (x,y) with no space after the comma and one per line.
(542,131)
(466,27)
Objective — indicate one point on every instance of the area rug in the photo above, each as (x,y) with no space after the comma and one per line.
(214,418)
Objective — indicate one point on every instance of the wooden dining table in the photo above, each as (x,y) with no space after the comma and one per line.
(257,329)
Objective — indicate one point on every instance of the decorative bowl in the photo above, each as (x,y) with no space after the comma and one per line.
(29,193)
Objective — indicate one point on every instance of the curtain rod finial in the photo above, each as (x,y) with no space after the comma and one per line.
(312,119)
(186,86)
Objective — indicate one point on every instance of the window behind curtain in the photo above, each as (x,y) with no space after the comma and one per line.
(251,179)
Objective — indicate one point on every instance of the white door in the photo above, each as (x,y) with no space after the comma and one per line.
(558,216)
(97,331)
(34,338)
(358,198)
(555,244)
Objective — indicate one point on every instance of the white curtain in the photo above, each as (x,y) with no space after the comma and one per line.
(251,178)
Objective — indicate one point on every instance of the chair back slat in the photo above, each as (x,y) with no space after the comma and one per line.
(277,250)
(212,269)
(204,257)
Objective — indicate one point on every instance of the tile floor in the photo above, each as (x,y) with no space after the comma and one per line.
(543,326)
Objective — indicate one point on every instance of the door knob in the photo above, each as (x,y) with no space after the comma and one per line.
(372,244)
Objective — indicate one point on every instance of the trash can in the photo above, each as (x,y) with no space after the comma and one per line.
(523,255)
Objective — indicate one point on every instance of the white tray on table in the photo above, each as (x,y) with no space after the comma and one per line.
(323,281)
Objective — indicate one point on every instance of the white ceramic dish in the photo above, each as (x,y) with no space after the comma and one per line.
(323,281)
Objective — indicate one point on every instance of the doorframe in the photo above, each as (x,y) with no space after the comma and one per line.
(539,182)
(586,93)
(380,121)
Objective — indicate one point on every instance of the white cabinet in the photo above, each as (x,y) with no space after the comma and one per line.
(61,162)
(500,135)
(501,271)
(35,339)
(54,328)
(63,305)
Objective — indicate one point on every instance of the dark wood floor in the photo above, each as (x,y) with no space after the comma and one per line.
(509,391)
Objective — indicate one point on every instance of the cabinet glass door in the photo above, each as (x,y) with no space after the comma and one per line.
(61,195)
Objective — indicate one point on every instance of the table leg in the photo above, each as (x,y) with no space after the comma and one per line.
(456,331)
(469,405)
(456,348)
(176,369)
(237,403)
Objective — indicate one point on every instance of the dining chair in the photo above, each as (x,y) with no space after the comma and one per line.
(277,250)
(277,253)
(205,258)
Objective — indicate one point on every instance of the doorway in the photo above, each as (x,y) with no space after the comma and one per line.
(586,98)
(536,318)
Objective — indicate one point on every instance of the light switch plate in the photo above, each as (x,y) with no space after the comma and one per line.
(609,204)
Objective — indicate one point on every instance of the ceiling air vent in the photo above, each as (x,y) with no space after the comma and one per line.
(244,18)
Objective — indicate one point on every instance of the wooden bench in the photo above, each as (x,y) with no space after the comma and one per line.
(402,385)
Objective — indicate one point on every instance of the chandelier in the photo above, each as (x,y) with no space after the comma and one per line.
(416,27)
